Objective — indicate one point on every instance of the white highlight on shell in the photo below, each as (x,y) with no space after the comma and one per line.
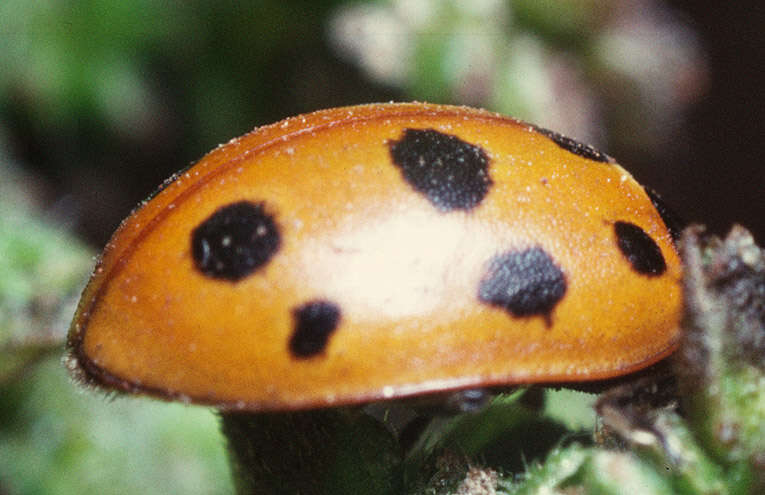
(406,263)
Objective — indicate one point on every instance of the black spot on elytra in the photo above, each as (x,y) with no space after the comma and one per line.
(640,250)
(672,220)
(524,283)
(234,241)
(451,173)
(575,147)
(314,323)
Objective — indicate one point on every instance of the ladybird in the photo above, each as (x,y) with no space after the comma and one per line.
(382,251)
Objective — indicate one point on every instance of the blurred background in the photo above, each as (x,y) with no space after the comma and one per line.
(100,101)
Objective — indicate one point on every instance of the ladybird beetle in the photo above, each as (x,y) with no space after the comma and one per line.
(382,251)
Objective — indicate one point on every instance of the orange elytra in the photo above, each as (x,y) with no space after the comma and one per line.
(382,251)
